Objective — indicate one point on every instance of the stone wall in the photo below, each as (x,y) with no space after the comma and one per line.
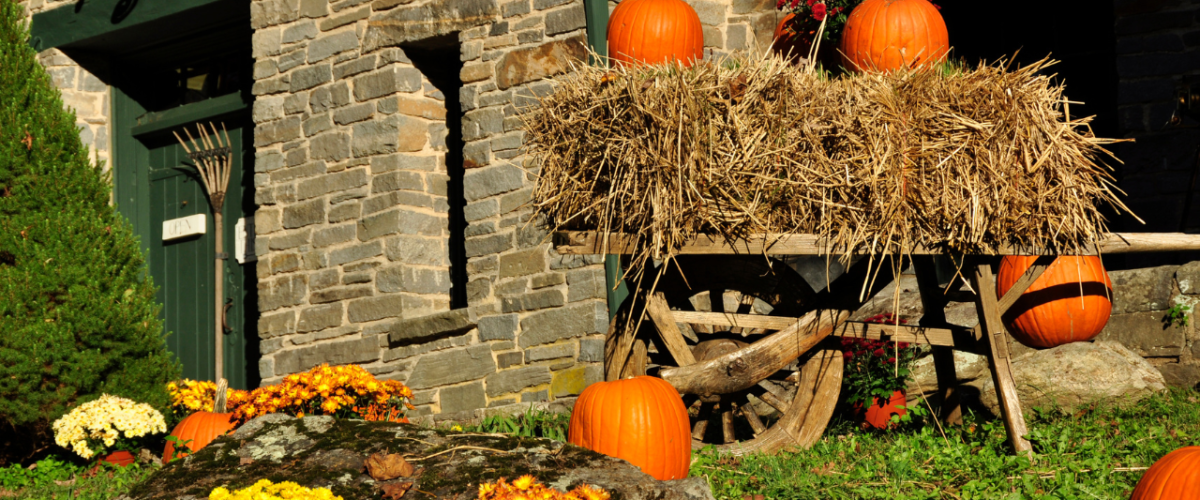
(733,25)
(81,91)
(1142,299)
(1157,51)
(367,158)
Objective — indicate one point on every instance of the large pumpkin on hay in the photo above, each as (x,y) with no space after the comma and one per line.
(641,420)
(1069,302)
(655,32)
(1173,477)
(885,35)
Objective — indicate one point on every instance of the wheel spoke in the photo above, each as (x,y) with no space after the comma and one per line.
(752,417)
(775,402)
(727,424)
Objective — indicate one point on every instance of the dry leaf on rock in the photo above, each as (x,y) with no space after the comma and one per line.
(245,461)
(385,466)
(396,490)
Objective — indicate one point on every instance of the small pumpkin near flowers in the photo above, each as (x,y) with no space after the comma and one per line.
(641,420)
(200,428)
(885,35)
(1175,476)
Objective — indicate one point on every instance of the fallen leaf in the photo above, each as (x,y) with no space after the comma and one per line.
(245,461)
(27,141)
(385,466)
(395,491)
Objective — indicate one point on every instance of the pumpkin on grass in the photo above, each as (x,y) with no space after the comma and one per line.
(641,420)
(885,35)
(1175,476)
(655,32)
(1070,302)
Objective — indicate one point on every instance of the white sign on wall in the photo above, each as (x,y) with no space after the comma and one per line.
(184,226)
(243,240)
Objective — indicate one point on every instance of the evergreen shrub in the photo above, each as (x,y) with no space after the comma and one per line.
(78,316)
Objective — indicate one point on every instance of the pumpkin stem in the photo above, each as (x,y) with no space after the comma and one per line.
(219,399)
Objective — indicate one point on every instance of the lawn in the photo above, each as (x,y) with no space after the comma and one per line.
(1090,454)
(1099,453)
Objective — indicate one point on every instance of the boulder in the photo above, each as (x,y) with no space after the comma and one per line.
(970,368)
(321,451)
(1079,374)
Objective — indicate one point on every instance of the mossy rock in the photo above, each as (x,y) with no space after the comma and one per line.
(329,453)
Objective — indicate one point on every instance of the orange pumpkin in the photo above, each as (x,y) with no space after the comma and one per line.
(1069,302)
(1174,476)
(891,34)
(200,428)
(641,420)
(654,32)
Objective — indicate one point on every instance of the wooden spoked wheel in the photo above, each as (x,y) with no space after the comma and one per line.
(789,407)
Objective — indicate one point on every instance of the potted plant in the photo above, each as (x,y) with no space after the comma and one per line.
(875,376)
(797,30)
(109,428)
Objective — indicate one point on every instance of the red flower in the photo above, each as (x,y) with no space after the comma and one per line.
(879,352)
(936,6)
(847,354)
(795,3)
(819,12)
(779,4)
(891,360)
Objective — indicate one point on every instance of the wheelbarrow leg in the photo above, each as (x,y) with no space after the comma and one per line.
(933,303)
(988,307)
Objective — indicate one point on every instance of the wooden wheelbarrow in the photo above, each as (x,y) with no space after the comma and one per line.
(746,341)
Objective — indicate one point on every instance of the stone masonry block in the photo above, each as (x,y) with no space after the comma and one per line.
(335,353)
(526,65)
(392,79)
(1141,290)
(396,133)
(333,235)
(583,284)
(374,308)
(266,43)
(320,317)
(277,131)
(517,379)
(501,327)
(354,114)
(275,325)
(410,279)
(482,123)
(711,13)
(571,321)
(565,19)
(332,183)
(462,398)
(485,182)
(533,301)
(393,181)
(522,263)
(1144,333)
(312,76)
(569,382)
(565,350)
(451,367)
(490,244)
(266,13)
(300,31)
(353,67)
(591,349)
(284,291)
(355,253)
(444,324)
(416,250)
(340,293)
(303,214)
(345,211)
(268,108)
(508,359)
(517,8)
(331,146)
(424,20)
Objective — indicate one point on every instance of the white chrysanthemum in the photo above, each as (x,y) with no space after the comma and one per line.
(103,421)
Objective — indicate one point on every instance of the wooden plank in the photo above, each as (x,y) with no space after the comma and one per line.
(933,305)
(638,357)
(1031,275)
(734,320)
(590,242)
(660,315)
(988,308)
(963,339)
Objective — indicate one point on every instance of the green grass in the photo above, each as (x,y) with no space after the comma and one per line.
(532,423)
(1091,454)
(56,480)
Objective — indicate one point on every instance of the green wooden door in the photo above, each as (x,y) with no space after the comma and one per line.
(156,182)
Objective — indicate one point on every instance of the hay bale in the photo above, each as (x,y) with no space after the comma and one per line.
(967,160)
